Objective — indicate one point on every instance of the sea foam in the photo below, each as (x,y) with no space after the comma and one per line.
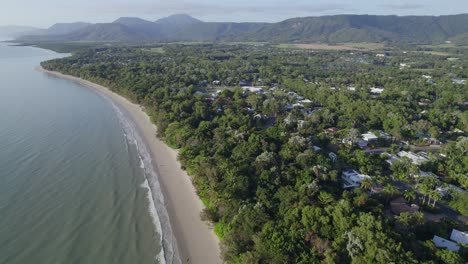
(157,209)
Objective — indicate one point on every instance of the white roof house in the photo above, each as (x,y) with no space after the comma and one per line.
(252,89)
(444,243)
(375,90)
(415,158)
(369,136)
(459,236)
(391,158)
(353,178)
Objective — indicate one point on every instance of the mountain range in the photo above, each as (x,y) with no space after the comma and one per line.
(324,29)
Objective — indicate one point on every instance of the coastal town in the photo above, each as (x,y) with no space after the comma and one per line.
(366,136)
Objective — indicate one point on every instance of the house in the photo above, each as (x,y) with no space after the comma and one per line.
(380,55)
(459,237)
(384,135)
(333,157)
(391,158)
(353,178)
(444,243)
(361,143)
(457,189)
(399,205)
(427,77)
(458,81)
(369,137)
(316,148)
(415,158)
(252,89)
(305,101)
(375,90)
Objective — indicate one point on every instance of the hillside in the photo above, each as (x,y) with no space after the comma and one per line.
(326,29)
(16,31)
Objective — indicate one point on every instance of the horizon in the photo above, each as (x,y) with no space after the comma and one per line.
(42,15)
(220,21)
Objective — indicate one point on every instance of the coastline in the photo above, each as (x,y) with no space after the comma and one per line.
(196,241)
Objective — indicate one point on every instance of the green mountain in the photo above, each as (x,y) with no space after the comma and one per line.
(326,29)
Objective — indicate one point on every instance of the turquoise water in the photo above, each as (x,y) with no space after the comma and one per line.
(72,185)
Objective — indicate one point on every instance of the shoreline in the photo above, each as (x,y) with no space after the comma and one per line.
(195,239)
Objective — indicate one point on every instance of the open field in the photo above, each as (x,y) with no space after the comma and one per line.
(343,46)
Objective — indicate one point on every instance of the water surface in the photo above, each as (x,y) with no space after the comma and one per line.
(71,184)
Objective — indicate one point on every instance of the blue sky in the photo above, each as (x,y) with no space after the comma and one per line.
(43,13)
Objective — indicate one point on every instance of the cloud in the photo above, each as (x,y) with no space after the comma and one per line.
(403,6)
(201,9)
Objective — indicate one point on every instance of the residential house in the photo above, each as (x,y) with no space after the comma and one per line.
(369,137)
(459,237)
(415,158)
(353,178)
(391,158)
(252,89)
(444,243)
(375,90)
(333,157)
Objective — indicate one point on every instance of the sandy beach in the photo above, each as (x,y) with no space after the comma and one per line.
(196,240)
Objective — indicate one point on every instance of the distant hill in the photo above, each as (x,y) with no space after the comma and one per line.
(16,31)
(177,20)
(326,29)
(65,28)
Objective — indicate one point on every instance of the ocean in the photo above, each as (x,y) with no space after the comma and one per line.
(73,173)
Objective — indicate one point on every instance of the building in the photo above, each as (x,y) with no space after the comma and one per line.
(459,237)
(369,137)
(415,158)
(444,243)
(333,157)
(375,90)
(353,178)
(391,158)
(252,89)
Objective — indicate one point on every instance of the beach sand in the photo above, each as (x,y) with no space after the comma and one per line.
(196,240)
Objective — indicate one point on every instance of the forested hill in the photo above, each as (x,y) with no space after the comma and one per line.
(327,29)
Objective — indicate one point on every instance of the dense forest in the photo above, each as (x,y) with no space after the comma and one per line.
(256,125)
(324,29)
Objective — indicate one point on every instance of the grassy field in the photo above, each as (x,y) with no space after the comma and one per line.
(342,46)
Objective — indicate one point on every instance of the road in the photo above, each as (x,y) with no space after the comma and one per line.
(430,148)
(443,209)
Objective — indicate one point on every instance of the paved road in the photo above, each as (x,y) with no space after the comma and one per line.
(443,209)
(430,148)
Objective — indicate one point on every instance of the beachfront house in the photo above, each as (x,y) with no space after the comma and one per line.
(444,243)
(352,178)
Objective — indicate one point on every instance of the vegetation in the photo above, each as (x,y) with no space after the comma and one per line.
(261,162)
(326,29)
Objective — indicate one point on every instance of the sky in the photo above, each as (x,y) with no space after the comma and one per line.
(44,13)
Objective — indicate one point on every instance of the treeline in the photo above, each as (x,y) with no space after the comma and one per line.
(272,197)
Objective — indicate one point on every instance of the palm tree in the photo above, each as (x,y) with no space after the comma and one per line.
(435,195)
(366,184)
(390,190)
(419,217)
(409,195)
